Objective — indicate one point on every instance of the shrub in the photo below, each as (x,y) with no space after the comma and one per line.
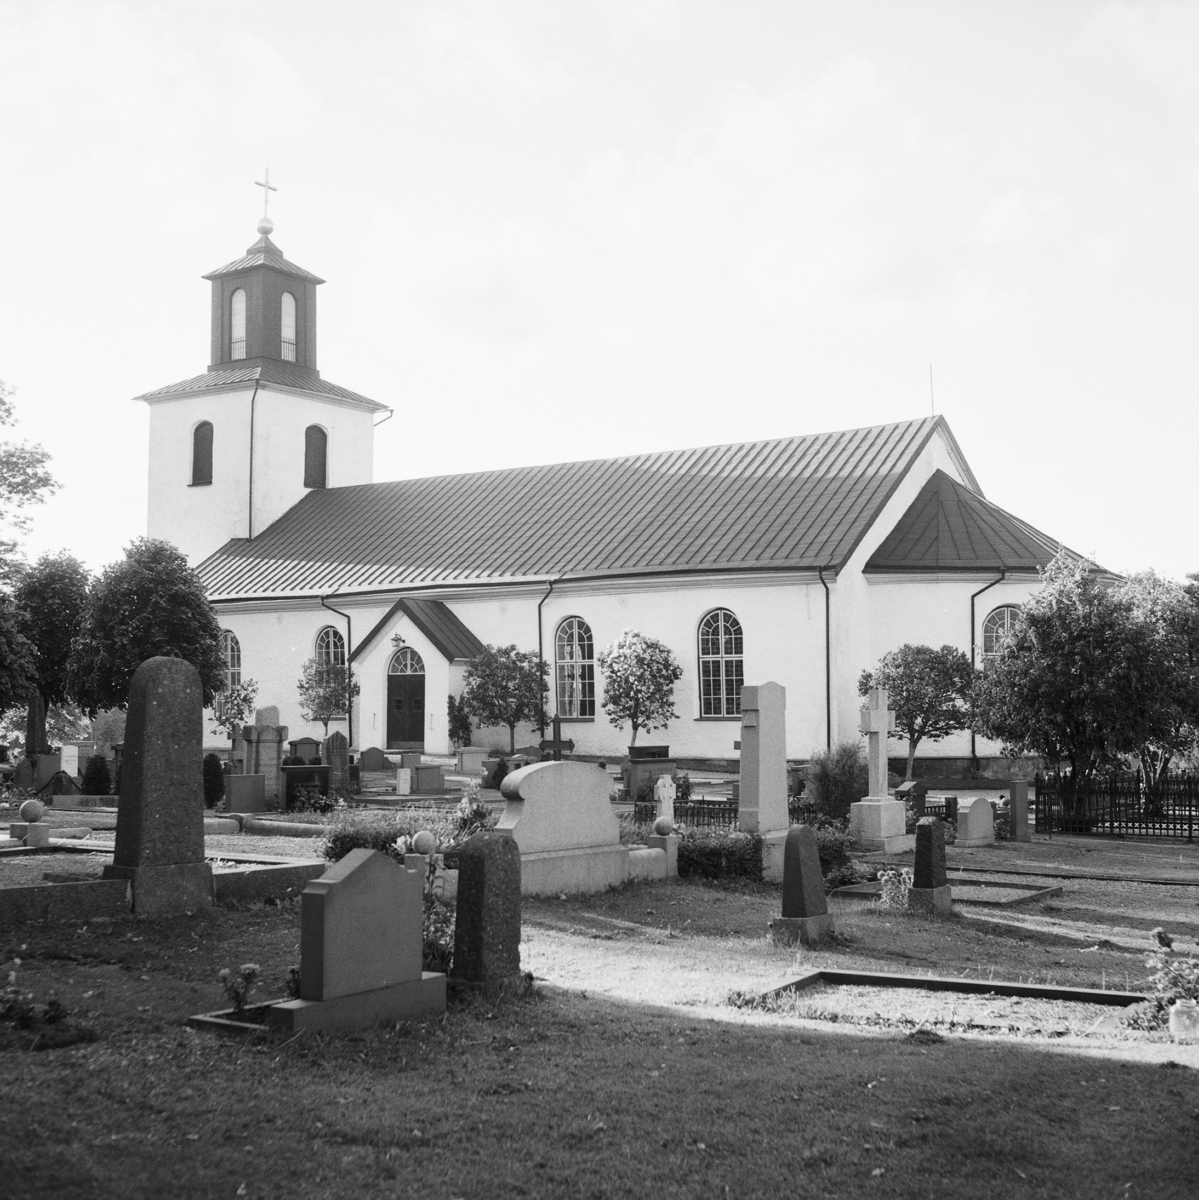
(214,781)
(682,793)
(459,721)
(379,830)
(97,778)
(837,778)
(1173,977)
(307,798)
(721,854)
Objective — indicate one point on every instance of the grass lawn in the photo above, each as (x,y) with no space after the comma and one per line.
(627,1074)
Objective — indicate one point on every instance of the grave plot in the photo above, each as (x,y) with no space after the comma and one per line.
(965,891)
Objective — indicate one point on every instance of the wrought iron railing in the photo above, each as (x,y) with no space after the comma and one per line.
(238,348)
(713,813)
(1120,804)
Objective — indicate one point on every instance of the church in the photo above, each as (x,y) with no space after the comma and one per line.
(800,560)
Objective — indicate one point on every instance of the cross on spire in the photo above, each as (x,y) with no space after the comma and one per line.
(266,195)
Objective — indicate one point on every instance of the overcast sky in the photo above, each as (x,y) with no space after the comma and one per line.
(558,230)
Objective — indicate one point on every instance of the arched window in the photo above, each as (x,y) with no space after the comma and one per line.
(575,670)
(406,661)
(331,647)
(202,454)
(231,653)
(721,669)
(288,324)
(316,444)
(996,627)
(237,324)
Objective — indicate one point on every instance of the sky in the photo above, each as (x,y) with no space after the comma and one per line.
(561,231)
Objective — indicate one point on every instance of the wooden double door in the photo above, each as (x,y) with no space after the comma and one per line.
(405,712)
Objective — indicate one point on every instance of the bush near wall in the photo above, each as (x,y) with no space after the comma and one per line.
(721,854)
(97,778)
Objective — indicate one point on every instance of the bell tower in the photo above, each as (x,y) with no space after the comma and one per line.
(233,449)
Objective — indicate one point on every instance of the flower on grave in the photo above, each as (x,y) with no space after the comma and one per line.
(238,987)
(895,884)
(472,813)
(402,845)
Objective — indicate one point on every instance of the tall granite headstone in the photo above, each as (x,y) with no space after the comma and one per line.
(762,806)
(806,918)
(1018,829)
(336,752)
(160,816)
(930,890)
(487,922)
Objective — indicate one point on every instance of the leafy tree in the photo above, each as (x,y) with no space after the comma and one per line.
(151,603)
(639,678)
(326,690)
(506,686)
(459,721)
(108,728)
(233,707)
(1166,725)
(52,596)
(836,778)
(62,724)
(24,480)
(1067,684)
(928,689)
(18,671)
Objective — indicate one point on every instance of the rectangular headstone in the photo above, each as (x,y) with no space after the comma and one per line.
(360,927)
(803,881)
(976,823)
(160,816)
(336,755)
(1018,812)
(487,922)
(763,802)
(929,870)
(69,759)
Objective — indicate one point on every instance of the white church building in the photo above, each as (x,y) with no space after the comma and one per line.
(799,560)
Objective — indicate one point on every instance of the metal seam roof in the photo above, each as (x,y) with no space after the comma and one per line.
(282,374)
(786,503)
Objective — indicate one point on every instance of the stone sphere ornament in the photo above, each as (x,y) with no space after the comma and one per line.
(424,843)
(32,810)
(664,826)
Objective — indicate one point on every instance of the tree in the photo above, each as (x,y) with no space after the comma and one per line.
(326,690)
(639,678)
(1067,683)
(18,672)
(928,689)
(24,480)
(233,707)
(459,721)
(506,686)
(836,778)
(52,597)
(151,603)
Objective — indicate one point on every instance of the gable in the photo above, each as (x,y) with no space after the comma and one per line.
(790,503)
(450,637)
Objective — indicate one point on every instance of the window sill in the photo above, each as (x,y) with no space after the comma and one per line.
(208,484)
(720,720)
(575,720)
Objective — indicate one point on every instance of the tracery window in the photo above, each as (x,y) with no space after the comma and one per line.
(237,324)
(575,668)
(721,666)
(996,627)
(231,653)
(331,647)
(288,325)
(202,454)
(316,446)
(406,661)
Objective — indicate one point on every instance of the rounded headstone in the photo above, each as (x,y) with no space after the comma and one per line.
(32,810)
(424,843)
(663,826)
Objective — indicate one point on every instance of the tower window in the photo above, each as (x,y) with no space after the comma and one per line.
(316,444)
(331,647)
(721,667)
(237,324)
(575,669)
(202,454)
(288,324)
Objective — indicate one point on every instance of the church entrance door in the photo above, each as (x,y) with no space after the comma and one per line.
(406,701)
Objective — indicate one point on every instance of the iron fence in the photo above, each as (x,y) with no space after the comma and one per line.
(1120,805)
(708,813)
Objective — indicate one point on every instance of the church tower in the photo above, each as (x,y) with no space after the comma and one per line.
(233,449)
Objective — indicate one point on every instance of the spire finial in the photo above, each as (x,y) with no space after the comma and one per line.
(266,225)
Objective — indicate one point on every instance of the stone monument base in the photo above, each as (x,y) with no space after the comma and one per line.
(589,869)
(412,1001)
(30,833)
(169,891)
(975,841)
(937,901)
(878,823)
(806,931)
(773,841)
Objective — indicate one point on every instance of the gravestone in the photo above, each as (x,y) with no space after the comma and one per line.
(470,760)
(806,918)
(32,830)
(427,779)
(360,949)
(264,755)
(373,759)
(976,823)
(69,759)
(245,793)
(762,805)
(879,822)
(487,920)
(337,756)
(410,759)
(35,726)
(930,892)
(23,774)
(1018,829)
(664,794)
(160,815)
(403,781)
(561,818)
(268,715)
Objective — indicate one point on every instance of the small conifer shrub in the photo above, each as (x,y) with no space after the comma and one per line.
(214,781)
(97,778)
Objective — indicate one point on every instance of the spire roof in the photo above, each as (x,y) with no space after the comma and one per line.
(264,253)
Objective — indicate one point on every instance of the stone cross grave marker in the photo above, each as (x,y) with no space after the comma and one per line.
(555,744)
(360,949)
(487,922)
(930,890)
(806,918)
(160,815)
(664,794)
(877,721)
